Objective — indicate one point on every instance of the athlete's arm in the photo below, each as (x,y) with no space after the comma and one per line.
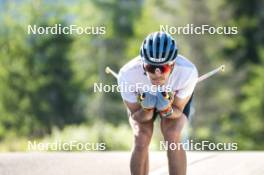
(183,95)
(137,113)
(178,106)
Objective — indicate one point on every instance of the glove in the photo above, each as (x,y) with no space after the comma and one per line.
(147,100)
(164,102)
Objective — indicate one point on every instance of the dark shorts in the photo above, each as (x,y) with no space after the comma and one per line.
(186,109)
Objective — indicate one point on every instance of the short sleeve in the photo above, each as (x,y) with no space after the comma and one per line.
(126,89)
(188,89)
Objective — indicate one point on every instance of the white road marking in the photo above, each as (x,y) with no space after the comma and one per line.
(194,159)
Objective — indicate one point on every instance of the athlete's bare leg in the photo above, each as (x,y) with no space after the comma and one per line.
(142,131)
(171,130)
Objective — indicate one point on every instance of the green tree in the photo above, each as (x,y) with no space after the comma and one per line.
(38,89)
(246,50)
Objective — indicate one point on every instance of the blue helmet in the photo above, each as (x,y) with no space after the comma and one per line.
(158,48)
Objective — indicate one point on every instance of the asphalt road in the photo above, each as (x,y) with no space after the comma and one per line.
(117,163)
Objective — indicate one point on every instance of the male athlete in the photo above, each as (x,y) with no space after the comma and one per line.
(158,65)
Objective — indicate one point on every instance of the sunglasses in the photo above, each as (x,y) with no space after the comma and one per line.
(163,68)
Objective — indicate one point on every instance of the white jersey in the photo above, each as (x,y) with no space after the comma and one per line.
(182,80)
